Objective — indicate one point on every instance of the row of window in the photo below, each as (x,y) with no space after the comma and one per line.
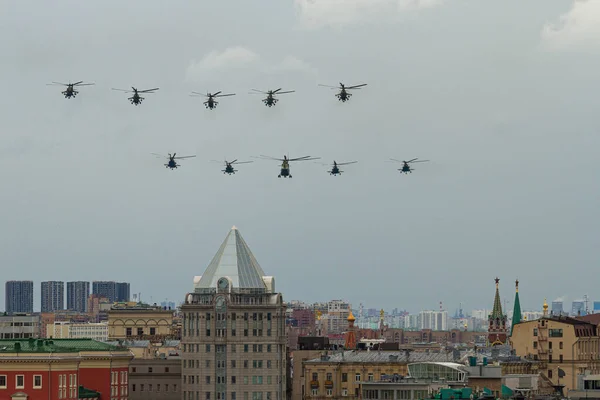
(139,331)
(190,395)
(20,382)
(223,364)
(357,377)
(151,388)
(114,377)
(257,316)
(221,332)
(256,380)
(221,348)
(134,369)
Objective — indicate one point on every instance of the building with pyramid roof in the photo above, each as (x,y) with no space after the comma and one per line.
(234,320)
(497,331)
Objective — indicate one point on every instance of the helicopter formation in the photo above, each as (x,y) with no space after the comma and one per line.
(270,100)
(284,171)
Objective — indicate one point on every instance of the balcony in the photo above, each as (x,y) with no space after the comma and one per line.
(314,384)
(328,384)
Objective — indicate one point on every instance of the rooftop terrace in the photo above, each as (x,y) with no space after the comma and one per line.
(54,346)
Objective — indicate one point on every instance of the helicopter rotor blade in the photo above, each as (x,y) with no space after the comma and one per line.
(356,86)
(420,161)
(123,90)
(411,160)
(275,91)
(393,159)
(242,162)
(263,157)
(305,158)
(199,94)
(214,94)
(224,95)
(58,83)
(77,83)
(182,157)
(260,91)
(147,90)
(332,87)
(289,91)
(346,163)
(85,84)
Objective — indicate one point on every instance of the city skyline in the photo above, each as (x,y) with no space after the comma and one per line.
(495,94)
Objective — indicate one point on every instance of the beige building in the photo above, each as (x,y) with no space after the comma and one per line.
(155,379)
(564,347)
(71,330)
(141,322)
(233,338)
(339,374)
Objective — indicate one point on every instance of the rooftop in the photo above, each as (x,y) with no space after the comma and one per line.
(350,356)
(235,261)
(54,346)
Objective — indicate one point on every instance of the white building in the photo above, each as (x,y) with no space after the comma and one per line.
(69,330)
(434,320)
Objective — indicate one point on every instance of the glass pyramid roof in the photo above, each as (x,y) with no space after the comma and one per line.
(235,261)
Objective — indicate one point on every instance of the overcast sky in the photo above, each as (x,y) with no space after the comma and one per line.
(501,96)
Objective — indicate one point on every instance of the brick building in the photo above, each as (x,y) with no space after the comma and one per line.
(42,369)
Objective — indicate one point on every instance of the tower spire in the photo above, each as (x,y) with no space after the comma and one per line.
(517,310)
(497,310)
(497,331)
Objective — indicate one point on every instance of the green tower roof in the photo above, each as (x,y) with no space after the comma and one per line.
(497,310)
(517,310)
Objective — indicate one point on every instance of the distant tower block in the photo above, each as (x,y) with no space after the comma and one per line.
(497,332)
(350,342)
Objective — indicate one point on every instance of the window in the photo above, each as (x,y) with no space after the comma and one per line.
(20,381)
(128,331)
(345,378)
(232,395)
(232,363)
(329,376)
(315,376)
(233,380)
(208,348)
(2,381)
(268,348)
(315,392)
(149,387)
(329,392)
(207,396)
(370,377)
(37,381)
(153,331)
(344,392)
(140,331)
(133,387)
(535,345)
(158,387)
(245,348)
(357,378)
(141,387)
(555,332)
(268,363)
(149,369)
(550,373)
(560,345)
(535,332)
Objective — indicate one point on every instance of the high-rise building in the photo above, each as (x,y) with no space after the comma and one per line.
(122,291)
(19,297)
(53,296)
(557,307)
(113,291)
(77,296)
(578,308)
(233,334)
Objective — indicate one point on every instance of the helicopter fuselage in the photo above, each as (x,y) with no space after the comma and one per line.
(335,170)
(70,92)
(210,103)
(136,99)
(406,169)
(171,164)
(229,169)
(343,96)
(285,172)
(270,101)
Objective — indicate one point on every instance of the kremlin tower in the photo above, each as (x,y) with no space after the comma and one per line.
(350,342)
(517,310)
(497,331)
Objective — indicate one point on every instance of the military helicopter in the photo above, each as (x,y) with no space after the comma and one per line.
(172,163)
(211,103)
(70,91)
(343,95)
(285,166)
(270,100)
(136,99)
(335,170)
(229,169)
(406,168)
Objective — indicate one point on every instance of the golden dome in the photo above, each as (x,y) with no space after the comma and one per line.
(545,305)
(351,317)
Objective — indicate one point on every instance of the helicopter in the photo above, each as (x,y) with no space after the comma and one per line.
(343,95)
(270,100)
(211,103)
(172,163)
(406,168)
(285,166)
(335,170)
(136,99)
(229,169)
(70,91)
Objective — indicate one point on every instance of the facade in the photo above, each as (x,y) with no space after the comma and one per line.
(140,322)
(19,297)
(497,330)
(233,336)
(70,330)
(564,347)
(63,369)
(155,379)
(53,296)
(77,296)
(113,291)
(19,326)
(434,320)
